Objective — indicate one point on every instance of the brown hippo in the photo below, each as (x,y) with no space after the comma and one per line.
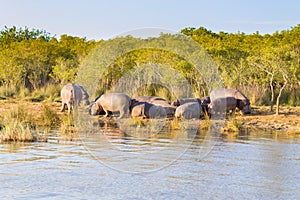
(181,101)
(148,99)
(147,110)
(223,105)
(73,95)
(158,101)
(242,101)
(189,110)
(113,102)
(204,101)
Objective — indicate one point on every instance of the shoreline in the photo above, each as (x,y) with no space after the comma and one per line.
(261,118)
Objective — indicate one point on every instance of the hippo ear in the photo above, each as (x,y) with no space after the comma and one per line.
(176,103)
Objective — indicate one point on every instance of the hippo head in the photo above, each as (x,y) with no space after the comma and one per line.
(176,103)
(244,106)
(205,100)
(95,109)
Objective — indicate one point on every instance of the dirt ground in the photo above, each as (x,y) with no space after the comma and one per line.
(260,118)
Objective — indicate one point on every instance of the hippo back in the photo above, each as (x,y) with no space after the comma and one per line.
(178,102)
(74,94)
(115,101)
(149,99)
(226,92)
(189,110)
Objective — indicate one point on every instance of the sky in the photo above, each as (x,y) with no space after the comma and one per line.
(103,19)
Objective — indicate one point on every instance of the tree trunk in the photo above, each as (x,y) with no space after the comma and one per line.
(272,93)
(280,93)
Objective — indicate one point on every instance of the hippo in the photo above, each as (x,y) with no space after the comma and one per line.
(148,99)
(147,110)
(205,101)
(223,105)
(73,95)
(189,110)
(178,102)
(242,101)
(158,101)
(113,102)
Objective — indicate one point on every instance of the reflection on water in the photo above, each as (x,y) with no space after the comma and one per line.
(125,160)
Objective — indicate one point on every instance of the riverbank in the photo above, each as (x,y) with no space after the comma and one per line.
(261,118)
(288,119)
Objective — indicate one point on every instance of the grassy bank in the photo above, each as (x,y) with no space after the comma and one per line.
(27,121)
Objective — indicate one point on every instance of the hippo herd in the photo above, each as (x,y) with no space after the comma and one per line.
(220,101)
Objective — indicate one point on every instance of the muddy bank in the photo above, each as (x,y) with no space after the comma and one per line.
(261,118)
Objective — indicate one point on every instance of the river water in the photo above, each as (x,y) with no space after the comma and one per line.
(181,164)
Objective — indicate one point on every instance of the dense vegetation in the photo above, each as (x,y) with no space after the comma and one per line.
(265,67)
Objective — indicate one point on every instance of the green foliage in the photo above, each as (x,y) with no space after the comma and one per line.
(265,67)
(266,62)
(33,59)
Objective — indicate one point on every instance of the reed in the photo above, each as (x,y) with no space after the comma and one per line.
(68,130)
(21,114)
(19,125)
(205,123)
(7,91)
(15,131)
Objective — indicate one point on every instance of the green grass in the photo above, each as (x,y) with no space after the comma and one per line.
(21,114)
(49,117)
(67,128)
(15,131)
(232,125)
(19,125)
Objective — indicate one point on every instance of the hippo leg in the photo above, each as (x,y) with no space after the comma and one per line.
(62,107)
(124,112)
(106,113)
(69,108)
(121,114)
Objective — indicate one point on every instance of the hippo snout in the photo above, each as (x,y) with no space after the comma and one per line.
(246,110)
(92,110)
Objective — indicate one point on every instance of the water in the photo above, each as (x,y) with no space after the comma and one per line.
(181,164)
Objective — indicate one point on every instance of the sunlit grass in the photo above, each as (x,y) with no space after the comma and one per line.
(232,125)
(18,124)
(16,131)
(68,130)
(49,117)
(205,123)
